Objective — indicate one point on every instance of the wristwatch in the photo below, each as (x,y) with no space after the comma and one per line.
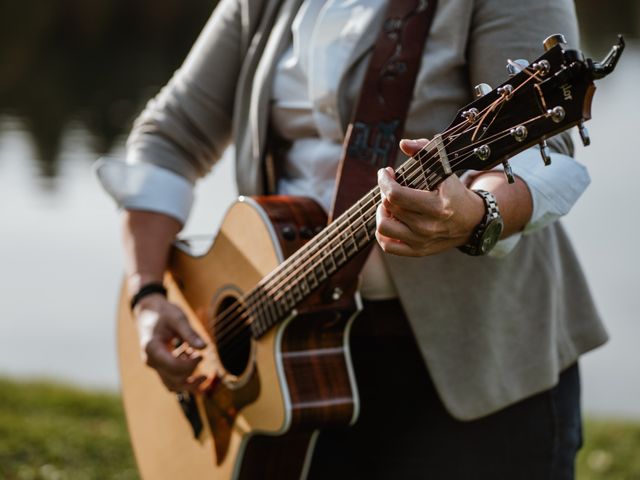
(487,233)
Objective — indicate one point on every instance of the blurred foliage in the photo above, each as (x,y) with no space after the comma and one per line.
(48,431)
(98,61)
(93,61)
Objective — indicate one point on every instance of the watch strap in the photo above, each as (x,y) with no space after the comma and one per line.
(492,213)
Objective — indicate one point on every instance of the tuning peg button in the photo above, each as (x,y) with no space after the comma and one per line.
(584,134)
(553,40)
(544,152)
(515,67)
(482,89)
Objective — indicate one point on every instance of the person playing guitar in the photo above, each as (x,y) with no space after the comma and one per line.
(454,353)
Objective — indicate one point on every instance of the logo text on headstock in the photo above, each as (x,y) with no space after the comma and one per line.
(566,91)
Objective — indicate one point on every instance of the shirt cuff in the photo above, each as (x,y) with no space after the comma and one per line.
(143,186)
(554,190)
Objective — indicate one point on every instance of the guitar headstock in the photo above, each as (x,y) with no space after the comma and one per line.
(541,99)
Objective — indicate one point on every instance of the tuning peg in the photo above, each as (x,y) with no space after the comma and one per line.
(553,40)
(544,152)
(516,66)
(482,89)
(508,172)
(584,134)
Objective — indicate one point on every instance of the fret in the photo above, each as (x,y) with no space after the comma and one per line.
(266,311)
(362,241)
(257,320)
(256,330)
(312,278)
(297,294)
(361,235)
(425,175)
(320,272)
(433,181)
(289,299)
(331,263)
(272,306)
(349,245)
(339,250)
(304,286)
(254,316)
(352,235)
(371,224)
(256,307)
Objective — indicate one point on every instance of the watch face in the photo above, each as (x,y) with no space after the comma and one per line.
(491,235)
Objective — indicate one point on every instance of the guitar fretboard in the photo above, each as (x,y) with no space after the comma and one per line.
(278,294)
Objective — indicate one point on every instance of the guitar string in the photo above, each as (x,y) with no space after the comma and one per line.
(423,152)
(229,341)
(411,173)
(266,287)
(294,263)
(225,335)
(293,259)
(293,266)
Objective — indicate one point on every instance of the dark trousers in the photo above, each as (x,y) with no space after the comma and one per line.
(404,431)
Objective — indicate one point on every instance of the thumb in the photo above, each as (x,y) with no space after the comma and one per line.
(411,147)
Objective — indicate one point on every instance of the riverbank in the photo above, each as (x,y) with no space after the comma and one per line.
(51,431)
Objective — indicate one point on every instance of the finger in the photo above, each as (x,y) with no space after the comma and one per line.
(186,333)
(396,248)
(160,358)
(393,246)
(392,228)
(405,197)
(411,147)
(419,223)
(192,384)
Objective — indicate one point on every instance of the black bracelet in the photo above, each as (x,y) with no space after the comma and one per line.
(147,289)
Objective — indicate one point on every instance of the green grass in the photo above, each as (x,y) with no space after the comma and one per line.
(48,432)
(611,451)
(54,432)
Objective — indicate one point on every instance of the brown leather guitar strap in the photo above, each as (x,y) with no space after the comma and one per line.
(378,121)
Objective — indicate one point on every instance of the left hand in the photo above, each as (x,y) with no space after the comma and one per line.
(417,223)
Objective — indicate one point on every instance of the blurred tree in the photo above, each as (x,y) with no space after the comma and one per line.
(91,61)
(98,61)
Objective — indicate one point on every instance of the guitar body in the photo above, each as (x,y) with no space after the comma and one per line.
(258,418)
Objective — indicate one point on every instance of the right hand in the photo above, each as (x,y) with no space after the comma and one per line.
(160,323)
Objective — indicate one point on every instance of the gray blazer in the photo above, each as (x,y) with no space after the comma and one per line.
(492,330)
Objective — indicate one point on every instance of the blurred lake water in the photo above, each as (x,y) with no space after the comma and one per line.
(60,249)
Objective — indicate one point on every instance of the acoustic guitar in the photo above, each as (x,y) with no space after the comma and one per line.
(272,298)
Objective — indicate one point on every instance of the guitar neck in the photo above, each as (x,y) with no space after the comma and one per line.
(278,294)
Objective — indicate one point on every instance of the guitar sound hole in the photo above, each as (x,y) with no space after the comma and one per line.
(233,336)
